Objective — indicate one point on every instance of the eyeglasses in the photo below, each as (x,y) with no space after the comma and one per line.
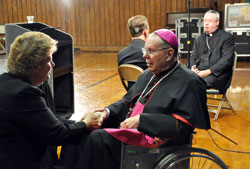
(151,52)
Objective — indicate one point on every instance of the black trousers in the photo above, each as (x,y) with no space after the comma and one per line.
(100,151)
(210,81)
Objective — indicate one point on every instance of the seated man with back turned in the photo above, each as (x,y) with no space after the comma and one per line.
(161,109)
(132,54)
(213,53)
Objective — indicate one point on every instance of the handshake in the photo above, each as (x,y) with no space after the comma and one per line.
(94,119)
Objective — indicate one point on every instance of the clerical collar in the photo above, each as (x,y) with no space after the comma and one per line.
(166,71)
(143,94)
(211,34)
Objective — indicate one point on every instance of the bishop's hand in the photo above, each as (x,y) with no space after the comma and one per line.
(93,120)
(131,122)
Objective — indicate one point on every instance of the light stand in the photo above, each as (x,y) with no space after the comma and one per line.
(188,40)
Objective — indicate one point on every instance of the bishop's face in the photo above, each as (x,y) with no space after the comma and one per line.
(210,23)
(156,56)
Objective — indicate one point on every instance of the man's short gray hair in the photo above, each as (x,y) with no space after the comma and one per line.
(214,12)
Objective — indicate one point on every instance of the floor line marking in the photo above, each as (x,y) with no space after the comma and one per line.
(96,83)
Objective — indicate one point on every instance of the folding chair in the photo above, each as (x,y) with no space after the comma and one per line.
(223,98)
(129,73)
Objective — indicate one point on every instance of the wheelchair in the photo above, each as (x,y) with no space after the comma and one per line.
(179,157)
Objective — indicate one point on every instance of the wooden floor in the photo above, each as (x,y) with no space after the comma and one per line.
(97,84)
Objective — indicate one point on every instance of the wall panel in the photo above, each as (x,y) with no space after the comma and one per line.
(103,26)
(152,14)
(127,14)
(98,25)
(163,12)
(43,18)
(122,22)
(38,9)
(10,13)
(93,23)
(116,33)
(1,9)
(137,7)
(158,14)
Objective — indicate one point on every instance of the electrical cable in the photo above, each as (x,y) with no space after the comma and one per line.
(233,151)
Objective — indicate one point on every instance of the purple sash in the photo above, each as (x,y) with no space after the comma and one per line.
(134,137)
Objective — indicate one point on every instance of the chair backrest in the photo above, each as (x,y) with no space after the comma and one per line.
(129,73)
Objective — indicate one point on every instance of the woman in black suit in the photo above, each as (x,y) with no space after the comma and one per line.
(27,125)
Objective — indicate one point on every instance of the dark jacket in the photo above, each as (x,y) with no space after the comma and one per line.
(221,58)
(132,54)
(28,127)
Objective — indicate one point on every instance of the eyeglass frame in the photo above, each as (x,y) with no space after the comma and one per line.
(151,52)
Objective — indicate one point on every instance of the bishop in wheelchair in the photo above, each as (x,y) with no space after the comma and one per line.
(162,109)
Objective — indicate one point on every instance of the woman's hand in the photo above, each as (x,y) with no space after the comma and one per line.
(94,119)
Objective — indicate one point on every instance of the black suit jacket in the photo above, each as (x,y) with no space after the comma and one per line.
(221,58)
(132,54)
(28,126)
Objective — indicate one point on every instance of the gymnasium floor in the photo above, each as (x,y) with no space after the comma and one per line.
(97,84)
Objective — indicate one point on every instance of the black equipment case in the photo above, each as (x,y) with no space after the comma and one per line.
(196,29)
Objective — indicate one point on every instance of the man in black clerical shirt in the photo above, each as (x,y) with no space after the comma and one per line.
(213,53)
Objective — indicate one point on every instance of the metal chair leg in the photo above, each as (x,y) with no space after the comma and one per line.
(219,107)
(229,104)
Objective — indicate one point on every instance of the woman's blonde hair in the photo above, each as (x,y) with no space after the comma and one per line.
(27,50)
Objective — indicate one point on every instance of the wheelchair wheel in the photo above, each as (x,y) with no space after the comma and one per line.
(190,158)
